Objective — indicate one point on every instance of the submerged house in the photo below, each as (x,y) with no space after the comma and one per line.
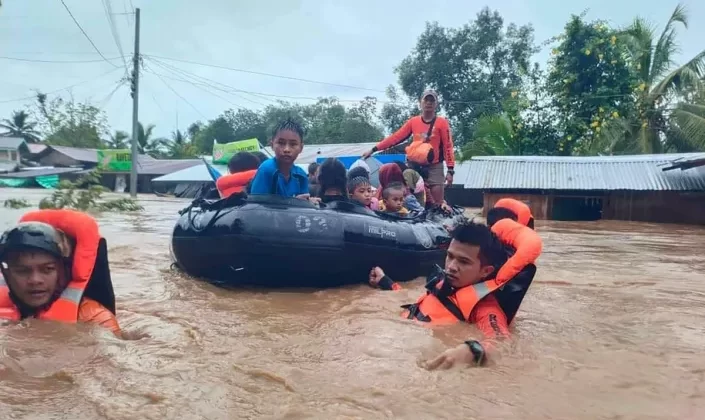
(12,149)
(632,187)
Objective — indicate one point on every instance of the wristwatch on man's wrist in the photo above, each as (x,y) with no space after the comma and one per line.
(478,352)
(451,171)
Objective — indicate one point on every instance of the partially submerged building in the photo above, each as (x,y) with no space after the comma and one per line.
(590,188)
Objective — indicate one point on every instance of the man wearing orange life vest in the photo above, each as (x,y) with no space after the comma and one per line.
(460,292)
(47,262)
(512,222)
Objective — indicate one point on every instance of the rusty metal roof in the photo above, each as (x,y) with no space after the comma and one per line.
(605,173)
(684,163)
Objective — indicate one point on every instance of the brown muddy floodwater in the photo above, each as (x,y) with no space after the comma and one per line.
(613,328)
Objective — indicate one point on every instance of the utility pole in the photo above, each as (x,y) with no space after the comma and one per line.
(135,104)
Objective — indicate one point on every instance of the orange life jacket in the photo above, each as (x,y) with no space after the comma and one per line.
(84,230)
(522,211)
(439,306)
(228,185)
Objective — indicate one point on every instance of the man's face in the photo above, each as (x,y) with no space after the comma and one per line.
(428,103)
(33,276)
(287,146)
(463,266)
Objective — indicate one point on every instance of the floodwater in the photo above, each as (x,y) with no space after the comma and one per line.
(613,328)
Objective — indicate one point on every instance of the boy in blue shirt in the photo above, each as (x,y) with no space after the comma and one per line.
(279,175)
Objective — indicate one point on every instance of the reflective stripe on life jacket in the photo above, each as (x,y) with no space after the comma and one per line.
(437,307)
(522,211)
(234,183)
(84,230)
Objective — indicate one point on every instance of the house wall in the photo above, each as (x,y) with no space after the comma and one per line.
(657,206)
(10,155)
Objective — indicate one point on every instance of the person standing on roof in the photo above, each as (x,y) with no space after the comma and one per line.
(431,145)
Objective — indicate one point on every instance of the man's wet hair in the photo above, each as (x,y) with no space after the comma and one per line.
(288,125)
(394,186)
(496,214)
(491,250)
(312,167)
(261,156)
(332,174)
(243,161)
(358,171)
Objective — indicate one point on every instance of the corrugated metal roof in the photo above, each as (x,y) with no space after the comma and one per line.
(165,166)
(85,155)
(12,143)
(635,173)
(35,148)
(8,167)
(39,172)
(686,163)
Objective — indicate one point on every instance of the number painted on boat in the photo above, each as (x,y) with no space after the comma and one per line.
(303,224)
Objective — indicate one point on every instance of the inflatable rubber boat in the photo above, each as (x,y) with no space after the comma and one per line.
(285,242)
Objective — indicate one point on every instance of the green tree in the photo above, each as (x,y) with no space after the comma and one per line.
(118,140)
(397,110)
(670,112)
(218,129)
(474,68)
(148,145)
(179,147)
(70,123)
(20,125)
(592,84)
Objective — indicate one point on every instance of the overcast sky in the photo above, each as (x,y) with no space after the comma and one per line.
(354,43)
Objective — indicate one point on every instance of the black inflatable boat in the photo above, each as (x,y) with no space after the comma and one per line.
(286,242)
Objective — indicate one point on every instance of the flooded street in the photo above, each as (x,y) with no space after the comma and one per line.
(613,328)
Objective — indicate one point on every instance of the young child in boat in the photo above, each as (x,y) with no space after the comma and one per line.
(279,175)
(393,199)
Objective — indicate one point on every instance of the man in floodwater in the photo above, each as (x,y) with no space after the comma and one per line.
(458,293)
(46,270)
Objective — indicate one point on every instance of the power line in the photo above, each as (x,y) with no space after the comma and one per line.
(267,74)
(179,95)
(31,60)
(107,6)
(186,74)
(86,35)
(61,89)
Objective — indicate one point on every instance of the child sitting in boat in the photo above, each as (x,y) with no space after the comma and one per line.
(393,199)
(279,175)
(242,168)
(360,188)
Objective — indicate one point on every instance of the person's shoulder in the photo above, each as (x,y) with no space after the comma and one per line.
(298,171)
(442,121)
(92,312)
(268,166)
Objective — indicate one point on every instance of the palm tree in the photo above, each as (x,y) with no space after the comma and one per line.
(146,144)
(19,125)
(663,85)
(494,135)
(179,147)
(118,140)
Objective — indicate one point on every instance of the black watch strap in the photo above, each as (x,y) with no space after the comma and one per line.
(451,171)
(478,352)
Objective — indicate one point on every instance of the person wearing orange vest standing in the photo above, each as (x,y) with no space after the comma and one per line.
(460,292)
(431,144)
(47,261)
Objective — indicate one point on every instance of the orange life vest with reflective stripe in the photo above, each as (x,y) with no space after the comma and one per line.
(437,308)
(228,185)
(522,211)
(84,230)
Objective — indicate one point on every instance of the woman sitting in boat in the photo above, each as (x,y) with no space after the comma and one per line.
(242,168)
(50,270)
(391,173)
